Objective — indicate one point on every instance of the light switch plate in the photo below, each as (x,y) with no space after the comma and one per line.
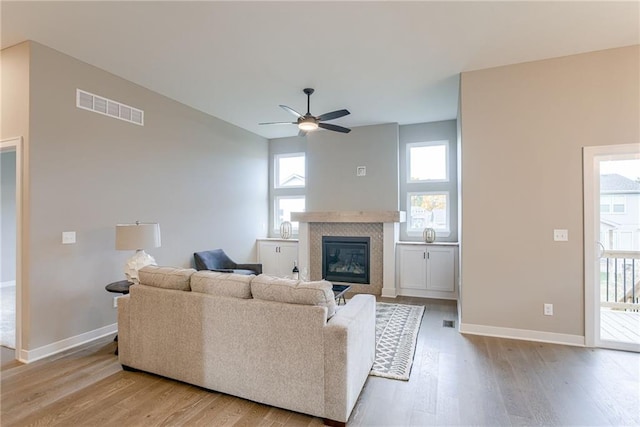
(68,237)
(361,171)
(561,235)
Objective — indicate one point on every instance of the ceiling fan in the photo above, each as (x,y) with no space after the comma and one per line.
(307,123)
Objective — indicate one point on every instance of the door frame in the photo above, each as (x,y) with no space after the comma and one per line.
(591,210)
(17,145)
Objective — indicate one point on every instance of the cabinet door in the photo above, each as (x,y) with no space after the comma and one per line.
(268,256)
(440,269)
(288,255)
(413,266)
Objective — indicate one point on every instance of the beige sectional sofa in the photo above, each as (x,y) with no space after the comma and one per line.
(275,341)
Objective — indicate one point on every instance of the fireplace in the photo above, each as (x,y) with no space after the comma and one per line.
(345,259)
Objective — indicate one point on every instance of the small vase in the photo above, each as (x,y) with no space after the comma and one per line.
(285,229)
(429,235)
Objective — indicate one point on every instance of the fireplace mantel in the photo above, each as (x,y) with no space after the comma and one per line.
(390,221)
(350,216)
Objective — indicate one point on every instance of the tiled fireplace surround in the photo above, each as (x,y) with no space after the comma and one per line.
(381,227)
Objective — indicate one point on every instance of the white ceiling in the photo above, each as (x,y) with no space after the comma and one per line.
(384,61)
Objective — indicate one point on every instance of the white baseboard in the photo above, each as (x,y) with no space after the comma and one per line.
(522,334)
(28,356)
(7,284)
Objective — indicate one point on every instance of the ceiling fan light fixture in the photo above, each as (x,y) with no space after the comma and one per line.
(307,125)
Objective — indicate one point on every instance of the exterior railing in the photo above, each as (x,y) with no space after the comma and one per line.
(620,280)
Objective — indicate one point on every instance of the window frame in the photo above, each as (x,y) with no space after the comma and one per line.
(276,170)
(440,232)
(411,145)
(295,225)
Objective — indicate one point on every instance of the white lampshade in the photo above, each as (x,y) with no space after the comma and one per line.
(137,236)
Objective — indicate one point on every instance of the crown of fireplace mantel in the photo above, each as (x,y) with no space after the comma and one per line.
(350,216)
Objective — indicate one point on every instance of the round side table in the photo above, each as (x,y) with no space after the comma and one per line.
(120,287)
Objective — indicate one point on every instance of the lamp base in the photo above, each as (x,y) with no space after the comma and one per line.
(135,263)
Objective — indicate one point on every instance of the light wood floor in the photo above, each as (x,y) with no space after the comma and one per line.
(455,380)
(623,326)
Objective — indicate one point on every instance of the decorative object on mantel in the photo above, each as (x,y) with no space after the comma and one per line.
(138,237)
(285,229)
(397,327)
(429,235)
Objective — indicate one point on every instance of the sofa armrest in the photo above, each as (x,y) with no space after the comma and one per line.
(349,349)
(124,330)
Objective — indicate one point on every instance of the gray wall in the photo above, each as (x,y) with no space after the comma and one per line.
(523,129)
(201,178)
(332,159)
(8,216)
(424,132)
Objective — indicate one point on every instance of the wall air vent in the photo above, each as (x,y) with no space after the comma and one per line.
(108,107)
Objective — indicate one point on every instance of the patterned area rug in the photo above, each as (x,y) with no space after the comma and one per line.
(397,327)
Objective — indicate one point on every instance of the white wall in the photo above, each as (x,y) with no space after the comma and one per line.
(332,159)
(523,129)
(202,179)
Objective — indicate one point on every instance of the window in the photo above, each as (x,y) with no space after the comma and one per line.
(613,204)
(427,209)
(428,161)
(288,190)
(290,170)
(284,205)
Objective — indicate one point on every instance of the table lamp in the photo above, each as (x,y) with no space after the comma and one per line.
(138,237)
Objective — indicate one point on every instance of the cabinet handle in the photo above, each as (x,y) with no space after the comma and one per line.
(424,255)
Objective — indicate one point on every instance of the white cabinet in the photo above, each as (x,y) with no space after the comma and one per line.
(277,256)
(427,271)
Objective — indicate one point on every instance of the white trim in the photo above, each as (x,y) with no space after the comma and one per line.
(28,356)
(20,148)
(410,145)
(276,167)
(521,334)
(390,235)
(591,157)
(440,232)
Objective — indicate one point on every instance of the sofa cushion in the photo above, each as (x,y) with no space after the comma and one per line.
(291,291)
(222,284)
(166,277)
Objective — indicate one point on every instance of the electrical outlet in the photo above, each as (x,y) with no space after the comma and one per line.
(548,309)
(68,237)
(115,302)
(561,235)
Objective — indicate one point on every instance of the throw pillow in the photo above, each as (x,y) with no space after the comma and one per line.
(222,284)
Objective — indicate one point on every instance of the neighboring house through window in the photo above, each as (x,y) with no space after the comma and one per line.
(289,188)
(428,181)
(619,212)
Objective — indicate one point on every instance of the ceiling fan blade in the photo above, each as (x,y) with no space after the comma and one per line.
(334,128)
(278,123)
(333,115)
(291,110)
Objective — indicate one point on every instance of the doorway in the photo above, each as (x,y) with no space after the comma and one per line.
(612,246)
(11,155)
